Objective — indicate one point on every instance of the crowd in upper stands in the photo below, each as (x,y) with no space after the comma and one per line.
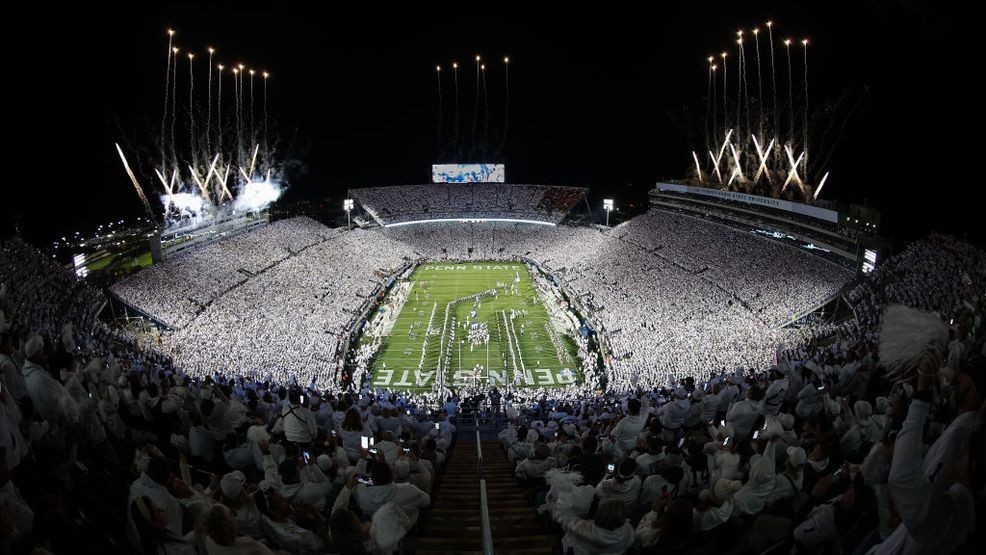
(389,205)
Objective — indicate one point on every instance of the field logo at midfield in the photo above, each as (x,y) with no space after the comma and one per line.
(404,378)
(473,267)
(535,377)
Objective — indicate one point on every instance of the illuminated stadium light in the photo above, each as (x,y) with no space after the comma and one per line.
(79,261)
(608,207)
(347,205)
(869,261)
(470,220)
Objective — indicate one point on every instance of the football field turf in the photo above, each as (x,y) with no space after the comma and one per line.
(434,327)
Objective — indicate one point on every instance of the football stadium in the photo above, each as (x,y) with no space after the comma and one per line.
(269,347)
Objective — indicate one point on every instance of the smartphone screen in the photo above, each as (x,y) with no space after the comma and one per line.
(407,449)
(302,398)
(364,442)
(725,442)
(436,425)
(307,456)
(610,468)
(681,442)
(372,450)
(756,434)
(364,479)
(722,423)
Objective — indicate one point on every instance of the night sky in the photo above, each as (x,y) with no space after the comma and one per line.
(598,97)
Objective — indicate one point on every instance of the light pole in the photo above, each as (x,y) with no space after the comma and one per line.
(608,207)
(347,205)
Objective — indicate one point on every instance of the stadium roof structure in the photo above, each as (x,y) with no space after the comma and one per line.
(477,202)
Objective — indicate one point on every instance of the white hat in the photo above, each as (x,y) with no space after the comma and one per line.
(34,346)
(324,462)
(232,484)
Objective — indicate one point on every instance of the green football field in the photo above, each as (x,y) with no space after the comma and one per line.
(495,339)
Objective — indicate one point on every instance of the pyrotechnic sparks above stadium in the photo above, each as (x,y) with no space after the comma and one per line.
(757,140)
(228,162)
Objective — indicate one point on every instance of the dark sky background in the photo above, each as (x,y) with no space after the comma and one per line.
(598,96)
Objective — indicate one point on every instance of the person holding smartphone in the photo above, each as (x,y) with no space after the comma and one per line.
(623,486)
(347,529)
(289,481)
(351,432)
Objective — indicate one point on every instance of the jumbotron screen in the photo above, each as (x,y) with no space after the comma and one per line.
(467,173)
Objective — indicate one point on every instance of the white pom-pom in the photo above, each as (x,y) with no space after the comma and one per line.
(905,335)
(389,526)
(257,434)
(562,479)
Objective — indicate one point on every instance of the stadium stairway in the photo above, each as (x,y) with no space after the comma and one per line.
(453,525)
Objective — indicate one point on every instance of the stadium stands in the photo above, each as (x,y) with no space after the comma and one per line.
(409,203)
(119,450)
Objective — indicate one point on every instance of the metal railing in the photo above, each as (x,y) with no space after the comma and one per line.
(484,511)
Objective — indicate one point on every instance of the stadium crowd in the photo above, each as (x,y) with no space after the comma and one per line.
(174,291)
(823,450)
(467,200)
(94,433)
(827,451)
(714,312)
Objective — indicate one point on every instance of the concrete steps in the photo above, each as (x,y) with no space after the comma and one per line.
(453,526)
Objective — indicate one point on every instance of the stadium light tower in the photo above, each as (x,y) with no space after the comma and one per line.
(347,205)
(608,207)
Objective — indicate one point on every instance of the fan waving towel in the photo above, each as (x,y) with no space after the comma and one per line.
(905,336)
